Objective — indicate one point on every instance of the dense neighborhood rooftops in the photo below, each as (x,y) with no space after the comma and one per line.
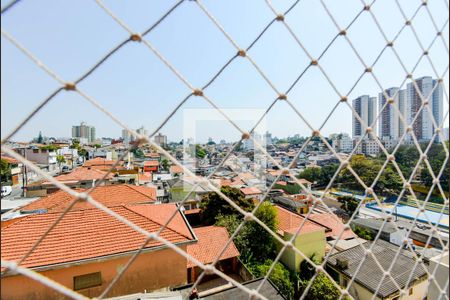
(211,241)
(108,195)
(290,222)
(370,274)
(89,234)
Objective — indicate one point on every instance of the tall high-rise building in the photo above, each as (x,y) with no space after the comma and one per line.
(427,89)
(142,131)
(84,133)
(161,139)
(390,124)
(365,107)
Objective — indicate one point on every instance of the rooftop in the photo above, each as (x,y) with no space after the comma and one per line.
(108,195)
(82,174)
(334,223)
(251,191)
(86,234)
(370,273)
(290,222)
(211,241)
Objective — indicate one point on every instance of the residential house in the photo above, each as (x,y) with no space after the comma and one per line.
(369,280)
(44,158)
(439,267)
(310,239)
(108,195)
(88,260)
(151,166)
(252,193)
(15,169)
(81,177)
(211,241)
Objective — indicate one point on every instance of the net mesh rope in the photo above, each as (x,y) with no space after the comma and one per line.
(368,68)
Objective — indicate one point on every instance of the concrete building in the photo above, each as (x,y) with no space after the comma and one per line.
(342,142)
(439,267)
(391,125)
(84,133)
(427,89)
(161,139)
(365,107)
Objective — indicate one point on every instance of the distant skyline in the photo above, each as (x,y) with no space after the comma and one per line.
(138,89)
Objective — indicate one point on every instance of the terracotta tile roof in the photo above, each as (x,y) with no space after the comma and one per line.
(290,222)
(85,234)
(109,195)
(176,169)
(281,182)
(98,161)
(145,176)
(334,223)
(10,160)
(151,163)
(304,181)
(275,172)
(251,191)
(211,240)
(225,182)
(83,174)
(246,176)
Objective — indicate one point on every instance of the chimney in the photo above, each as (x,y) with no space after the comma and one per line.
(342,263)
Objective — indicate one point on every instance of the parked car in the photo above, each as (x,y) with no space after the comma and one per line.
(6,190)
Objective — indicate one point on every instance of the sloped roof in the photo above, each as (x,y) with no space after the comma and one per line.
(151,163)
(290,222)
(370,274)
(10,160)
(176,169)
(98,161)
(251,191)
(83,174)
(211,241)
(108,195)
(87,234)
(334,223)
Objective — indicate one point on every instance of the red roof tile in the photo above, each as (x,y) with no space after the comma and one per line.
(176,169)
(211,241)
(84,234)
(98,161)
(251,191)
(109,195)
(83,174)
(290,222)
(151,163)
(10,160)
(334,223)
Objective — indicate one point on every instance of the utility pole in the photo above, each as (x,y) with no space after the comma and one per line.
(24,173)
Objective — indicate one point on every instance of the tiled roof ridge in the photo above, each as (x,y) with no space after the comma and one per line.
(133,187)
(167,226)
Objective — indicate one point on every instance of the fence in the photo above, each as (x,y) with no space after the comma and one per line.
(280,18)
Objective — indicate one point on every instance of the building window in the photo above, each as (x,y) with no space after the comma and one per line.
(87,281)
(35,150)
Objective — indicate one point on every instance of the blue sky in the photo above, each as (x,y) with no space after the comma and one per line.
(71,36)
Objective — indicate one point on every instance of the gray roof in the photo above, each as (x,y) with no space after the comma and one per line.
(370,274)
(268,290)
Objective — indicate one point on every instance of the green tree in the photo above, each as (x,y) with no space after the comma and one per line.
(253,242)
(349,204)
(213,205)
(280,276)
(60,159)
(363,233)
(40,139)
(165,164)
(323,288)
(5,171)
